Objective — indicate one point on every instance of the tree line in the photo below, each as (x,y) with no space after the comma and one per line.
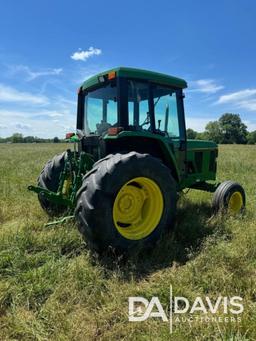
(19,138)
(228,129)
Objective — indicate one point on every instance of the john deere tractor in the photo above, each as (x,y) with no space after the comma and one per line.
(131,159)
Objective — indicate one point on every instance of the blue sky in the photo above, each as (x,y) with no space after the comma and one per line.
(48,48)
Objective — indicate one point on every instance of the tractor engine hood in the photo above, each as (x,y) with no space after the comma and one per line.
(199,144)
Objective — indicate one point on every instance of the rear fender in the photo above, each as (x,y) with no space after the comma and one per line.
(155,146)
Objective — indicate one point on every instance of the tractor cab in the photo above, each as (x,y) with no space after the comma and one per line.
(138,104)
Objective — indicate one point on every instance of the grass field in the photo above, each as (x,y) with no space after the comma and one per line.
(52,288)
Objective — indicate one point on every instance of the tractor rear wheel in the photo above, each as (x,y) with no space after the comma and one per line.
(126,201)
(49,179)
(229,197)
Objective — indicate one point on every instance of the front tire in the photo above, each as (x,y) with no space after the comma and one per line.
(126,201)
(229,197)
(49,179)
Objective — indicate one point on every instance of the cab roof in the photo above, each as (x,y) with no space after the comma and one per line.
(126,72)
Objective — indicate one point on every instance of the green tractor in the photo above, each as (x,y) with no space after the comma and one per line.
(130,161)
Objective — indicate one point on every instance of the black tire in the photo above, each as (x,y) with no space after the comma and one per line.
(96,197)
(222,195)
(49,179)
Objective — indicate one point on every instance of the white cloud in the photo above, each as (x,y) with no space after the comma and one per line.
(37,123)
(55,114)
(64,102)
(22,126)
(10,94)
(237,96)
(249,105)
(207,86)
(12,114)
(84,55)
(48,72)
(35,115)
(31,75)
(245,99)
(198,123)
(251,126)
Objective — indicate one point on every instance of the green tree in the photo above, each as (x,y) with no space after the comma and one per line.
(202,136)
(29,139)
(233,129)
(251,137)
(213,132)
(191,134)
(56,139)
(17,138)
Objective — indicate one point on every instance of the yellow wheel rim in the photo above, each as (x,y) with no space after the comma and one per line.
(138,208)
(67,186)
(235,203)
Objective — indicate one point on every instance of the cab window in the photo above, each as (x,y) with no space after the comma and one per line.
(166,111)
(138,104)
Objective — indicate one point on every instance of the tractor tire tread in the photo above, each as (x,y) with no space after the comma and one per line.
(96,196)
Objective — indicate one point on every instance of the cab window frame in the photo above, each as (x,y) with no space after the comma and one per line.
(81,107)
(180,108)
(150,104)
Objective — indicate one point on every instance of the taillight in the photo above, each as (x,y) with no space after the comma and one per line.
(69,135)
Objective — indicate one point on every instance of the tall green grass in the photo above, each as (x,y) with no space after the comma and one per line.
(53,288)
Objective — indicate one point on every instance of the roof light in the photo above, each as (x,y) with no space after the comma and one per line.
(112,75)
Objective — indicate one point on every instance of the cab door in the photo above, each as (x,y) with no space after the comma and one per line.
(170,122)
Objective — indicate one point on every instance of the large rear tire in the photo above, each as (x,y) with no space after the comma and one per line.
(49,179)
(126,201)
